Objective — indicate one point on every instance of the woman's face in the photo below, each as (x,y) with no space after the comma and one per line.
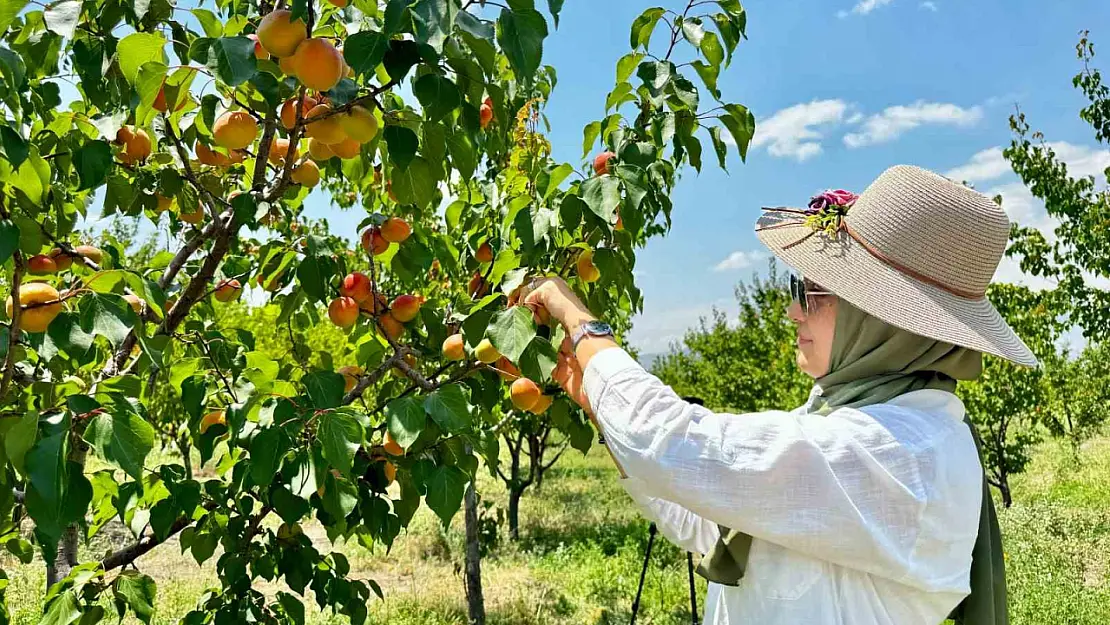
(815,332)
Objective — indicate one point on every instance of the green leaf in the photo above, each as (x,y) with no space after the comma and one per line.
(63,610)
(708,75)
(211,24)
(643,26)
(9,9)
(602,194)
(445,491)
(293,607)
(32,178)
(149,82)
(233,60)
(405,419)
(471,24)
(627,64)
(741,125)
(136,591)
(711,48)
(692,31)
(121,436)
(521,32)
(9,239)
(21,549)
(656,75)
(15,148)
(538,360)
(19,438)
(589,137)
(138,48)
(93,161)
(555,6)
(719,146)
(267,450)
(61,17)
(340,435)
(510,330)
(449,408)
(315,275)
(365,50)
(106,315)
(551,178)
(415,184)
(402,143)
(325,389)
(433,20)
(462,154)
(437,94)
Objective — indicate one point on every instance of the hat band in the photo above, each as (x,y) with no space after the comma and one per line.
(873,251)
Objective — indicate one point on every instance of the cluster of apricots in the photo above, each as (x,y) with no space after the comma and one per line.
(39,302)
(525,393)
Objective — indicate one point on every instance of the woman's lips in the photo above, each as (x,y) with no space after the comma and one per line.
(803,342)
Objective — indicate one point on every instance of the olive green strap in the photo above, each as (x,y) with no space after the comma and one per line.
(728,560)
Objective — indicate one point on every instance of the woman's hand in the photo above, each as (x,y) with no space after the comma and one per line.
(568,373)
(551,298)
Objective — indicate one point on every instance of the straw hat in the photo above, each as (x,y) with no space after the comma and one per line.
(915,250)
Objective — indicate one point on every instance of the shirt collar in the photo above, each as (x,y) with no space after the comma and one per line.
(930,400)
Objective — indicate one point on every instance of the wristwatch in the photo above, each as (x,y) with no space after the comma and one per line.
(589,328)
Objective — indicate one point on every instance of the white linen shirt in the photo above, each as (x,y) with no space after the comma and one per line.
(862,517)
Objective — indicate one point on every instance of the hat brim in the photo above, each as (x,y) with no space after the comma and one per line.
(844,267)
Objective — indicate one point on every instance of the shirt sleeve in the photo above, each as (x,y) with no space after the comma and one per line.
(838,488)
(682,527)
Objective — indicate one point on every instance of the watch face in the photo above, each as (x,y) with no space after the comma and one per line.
(598,327)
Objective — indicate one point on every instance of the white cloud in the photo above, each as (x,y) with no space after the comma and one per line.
(989,164)
(932,6)
(984,165)
(740,260)
(895,121)
(863,7)
(795,132)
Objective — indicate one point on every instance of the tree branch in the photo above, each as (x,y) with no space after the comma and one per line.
(13,328)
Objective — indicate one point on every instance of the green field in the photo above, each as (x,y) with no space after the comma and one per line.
(582,542)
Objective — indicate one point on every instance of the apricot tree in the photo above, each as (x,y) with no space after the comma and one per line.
(216,124)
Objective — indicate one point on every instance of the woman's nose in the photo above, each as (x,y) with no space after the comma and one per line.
(794,311)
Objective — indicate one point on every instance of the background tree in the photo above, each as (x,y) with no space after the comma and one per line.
(746,364)
(1077,391)
(199,120)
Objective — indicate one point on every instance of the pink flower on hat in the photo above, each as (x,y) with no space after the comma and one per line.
(832,197)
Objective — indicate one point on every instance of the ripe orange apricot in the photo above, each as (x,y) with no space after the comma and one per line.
(90,252)
(347,148)
(484,253)
(393,328)
(343,311)
(477,286)
(405,307)
(208,156)
(396,230)
(524,393)
(136,145)
(279,151)
(285,64)
(587,270)
(338,3)
(486,352)
(61,260)
(307,174)
(35,319)
(359,124)
(318,64)
(507,370)
(164,203)
(355,285)
(260,52)
(390,472)
(373,241)
(228,290)
(542,404)
(215,417)
(194,217)
(350,375)
(454,348)
(234,130)
(279,35)
(160,103)
(373,305)
(391,446)
(328,129)
(319,151)
(485,115)
(41,264)
(289,110)
(601,163)
(135,303)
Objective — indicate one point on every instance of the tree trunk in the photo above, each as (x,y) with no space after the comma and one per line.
(67,549)
(1004,488)
(514,512)
(475,603)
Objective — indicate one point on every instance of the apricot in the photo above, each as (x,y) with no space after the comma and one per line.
(318,64)
(343,311)
(285,64)
(355,285)
(347,148)
(477,286)
(405,308)
(485,114)
(391,446)
(273,284)
(124,134)
(587,270)
(620,223)
(136,145)
(601,163)
(338,3)
(41,264)
(507,370)
(374,305)
(454,348)
(194,217)
(373,241)
(524,393)
(61,260)
(228,290)
(92,253)
(307,174)
(319,151)
(359,124)
(350,375)
(542,404)
(327,130)
(35,319)
(215,417)
(160,103)
(135,303)
(279,35)
(289,110)
(484,253)
(279,151)
(164,203)
(208,156)
(396,230)
(260,52)
(393,328)
(234,130)
(390,472)
(486,352)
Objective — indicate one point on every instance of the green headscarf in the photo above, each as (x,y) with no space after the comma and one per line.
(873,362)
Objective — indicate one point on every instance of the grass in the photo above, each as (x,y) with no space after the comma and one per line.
(582,543)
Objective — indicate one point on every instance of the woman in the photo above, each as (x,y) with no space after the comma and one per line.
(864,505)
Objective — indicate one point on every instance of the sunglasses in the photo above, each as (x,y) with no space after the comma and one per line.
(801,290)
